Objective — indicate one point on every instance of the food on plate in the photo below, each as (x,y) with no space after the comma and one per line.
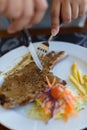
(60,101)
(85,81)
(77,85)
(23,85)
(57,102)
(78,79)
(47,62)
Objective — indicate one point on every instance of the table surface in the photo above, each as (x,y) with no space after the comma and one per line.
(4,128)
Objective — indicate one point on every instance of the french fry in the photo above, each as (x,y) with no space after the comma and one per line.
(80,77)
(85,85)
(77,85)
(85,78)
(74,71)
(79,81)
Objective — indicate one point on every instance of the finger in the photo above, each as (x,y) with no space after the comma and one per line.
(28,9)
(55,17)
(66,11)
(17,25)
(82,8)
(40,9)
(3,5)
(15,9)
(75,10)
(23,21)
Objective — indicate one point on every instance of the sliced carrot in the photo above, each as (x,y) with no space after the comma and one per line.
(48,104)
(60,108)
(83,97)
(67,113)
(42,96)
(54,81)
(48,82)
(47,107)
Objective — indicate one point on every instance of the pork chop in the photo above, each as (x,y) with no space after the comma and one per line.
(24,85)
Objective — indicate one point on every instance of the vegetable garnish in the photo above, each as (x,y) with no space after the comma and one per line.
(57,102)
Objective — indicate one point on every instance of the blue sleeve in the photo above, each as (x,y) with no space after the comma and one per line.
(3,23)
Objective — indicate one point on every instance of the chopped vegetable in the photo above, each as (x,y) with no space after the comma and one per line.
(57,102)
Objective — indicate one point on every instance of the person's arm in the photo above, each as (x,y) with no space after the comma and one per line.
(22,13)
(66,10)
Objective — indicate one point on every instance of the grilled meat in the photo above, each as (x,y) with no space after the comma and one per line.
(24,85)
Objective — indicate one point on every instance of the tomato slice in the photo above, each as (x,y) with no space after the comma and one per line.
(55,92)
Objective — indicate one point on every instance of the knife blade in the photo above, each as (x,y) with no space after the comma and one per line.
(30,46)
(34,55)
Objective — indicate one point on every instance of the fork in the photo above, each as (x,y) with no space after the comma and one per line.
(43,47)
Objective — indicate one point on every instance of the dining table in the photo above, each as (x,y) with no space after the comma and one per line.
(5,43)
(4,128)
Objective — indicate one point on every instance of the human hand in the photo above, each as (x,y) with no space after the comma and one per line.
(22,13)
(66,10)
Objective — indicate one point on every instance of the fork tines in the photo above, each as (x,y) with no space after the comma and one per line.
(42,49)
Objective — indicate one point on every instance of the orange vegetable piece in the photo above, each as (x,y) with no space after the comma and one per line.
(48,106)
(55,92)
(42,96)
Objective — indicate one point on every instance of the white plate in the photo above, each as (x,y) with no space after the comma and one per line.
(17,119)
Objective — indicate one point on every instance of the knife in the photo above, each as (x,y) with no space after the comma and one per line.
(28,43)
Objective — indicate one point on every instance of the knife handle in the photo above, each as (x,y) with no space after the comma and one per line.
(26,36)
